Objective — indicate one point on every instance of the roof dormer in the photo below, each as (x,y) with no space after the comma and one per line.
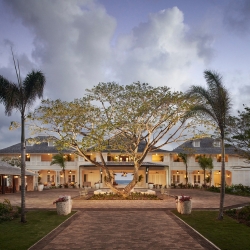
(196,143)
(50,143)
(217,143)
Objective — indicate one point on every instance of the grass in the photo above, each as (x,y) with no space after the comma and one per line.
(227,234)
(16,235)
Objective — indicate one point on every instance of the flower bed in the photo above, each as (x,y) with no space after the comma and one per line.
(132,196)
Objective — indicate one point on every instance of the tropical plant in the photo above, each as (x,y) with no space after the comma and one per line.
(205,163)
(214,102)
(184,158)
(21,96)
(59,159)
(140,177)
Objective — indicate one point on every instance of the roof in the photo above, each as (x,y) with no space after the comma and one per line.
(6,168)
(128,163)
(206,147)
(40,147)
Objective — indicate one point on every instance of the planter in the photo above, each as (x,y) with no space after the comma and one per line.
(64,207)
(184,207)
(150,185)
(40,187)
(97,185)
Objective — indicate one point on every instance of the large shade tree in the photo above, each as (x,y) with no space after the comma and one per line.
(239,133)
(20,96)
(111,117)
(214,103)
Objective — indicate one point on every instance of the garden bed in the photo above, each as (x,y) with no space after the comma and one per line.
(132,196)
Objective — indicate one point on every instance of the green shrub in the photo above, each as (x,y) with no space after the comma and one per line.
(7,211)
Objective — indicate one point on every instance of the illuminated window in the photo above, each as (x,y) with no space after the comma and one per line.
(27,157)
(176,158)
(157,158)
(219,158)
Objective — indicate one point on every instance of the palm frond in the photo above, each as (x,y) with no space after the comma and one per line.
(33,86)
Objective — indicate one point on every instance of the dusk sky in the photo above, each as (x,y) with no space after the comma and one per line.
(79,43)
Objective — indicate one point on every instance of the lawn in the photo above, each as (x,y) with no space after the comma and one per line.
(16,235)
(227,234)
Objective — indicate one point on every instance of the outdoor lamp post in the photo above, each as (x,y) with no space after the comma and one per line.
(101,175)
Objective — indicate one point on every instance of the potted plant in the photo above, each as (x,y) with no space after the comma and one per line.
(150,185)
(40,184)
(63,205)
(97,185)
(184,204)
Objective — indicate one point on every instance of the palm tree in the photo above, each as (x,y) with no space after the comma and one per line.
(21,96)
(214,103)
(205,163)
(59,159)
(184,157)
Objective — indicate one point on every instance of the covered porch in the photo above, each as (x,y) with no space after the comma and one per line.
(122,173)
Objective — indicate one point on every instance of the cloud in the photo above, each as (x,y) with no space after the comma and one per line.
(161,51)
(237,17)
(71,42)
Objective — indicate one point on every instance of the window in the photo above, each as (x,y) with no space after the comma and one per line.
(216,143)
(91,157)
(46,157)
(196,144)
(197,179)
(69,157)
(219,158)
(27,157)
(85,178)
(50,178)
(71,178)
(50,143)
(29,143)
(176,158)
(157,158)
(176,178)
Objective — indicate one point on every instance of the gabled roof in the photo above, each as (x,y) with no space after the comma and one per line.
(40,147)
(140,149)
(206,147)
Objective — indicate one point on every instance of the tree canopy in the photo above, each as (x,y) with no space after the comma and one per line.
(111,116)
(239,133)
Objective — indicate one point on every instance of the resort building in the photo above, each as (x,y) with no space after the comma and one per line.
(161,167)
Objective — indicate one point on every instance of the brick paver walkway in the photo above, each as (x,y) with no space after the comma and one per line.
(124,224)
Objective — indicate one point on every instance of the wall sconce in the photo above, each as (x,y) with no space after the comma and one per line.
(5,176)
(219,171)
(177,172)
(228,175)
(198,171)
(16,176)
(70,171)
(25,177)
(146,172)
(48,171)
(127,159)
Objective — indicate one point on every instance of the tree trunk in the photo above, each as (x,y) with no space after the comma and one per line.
(23,183)
(204,178)
(122,191)
(186,175)
(222,191)
(64,177)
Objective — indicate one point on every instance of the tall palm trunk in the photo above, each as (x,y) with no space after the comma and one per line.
(186,174)
(222,191)
(23,182)
(64,176)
